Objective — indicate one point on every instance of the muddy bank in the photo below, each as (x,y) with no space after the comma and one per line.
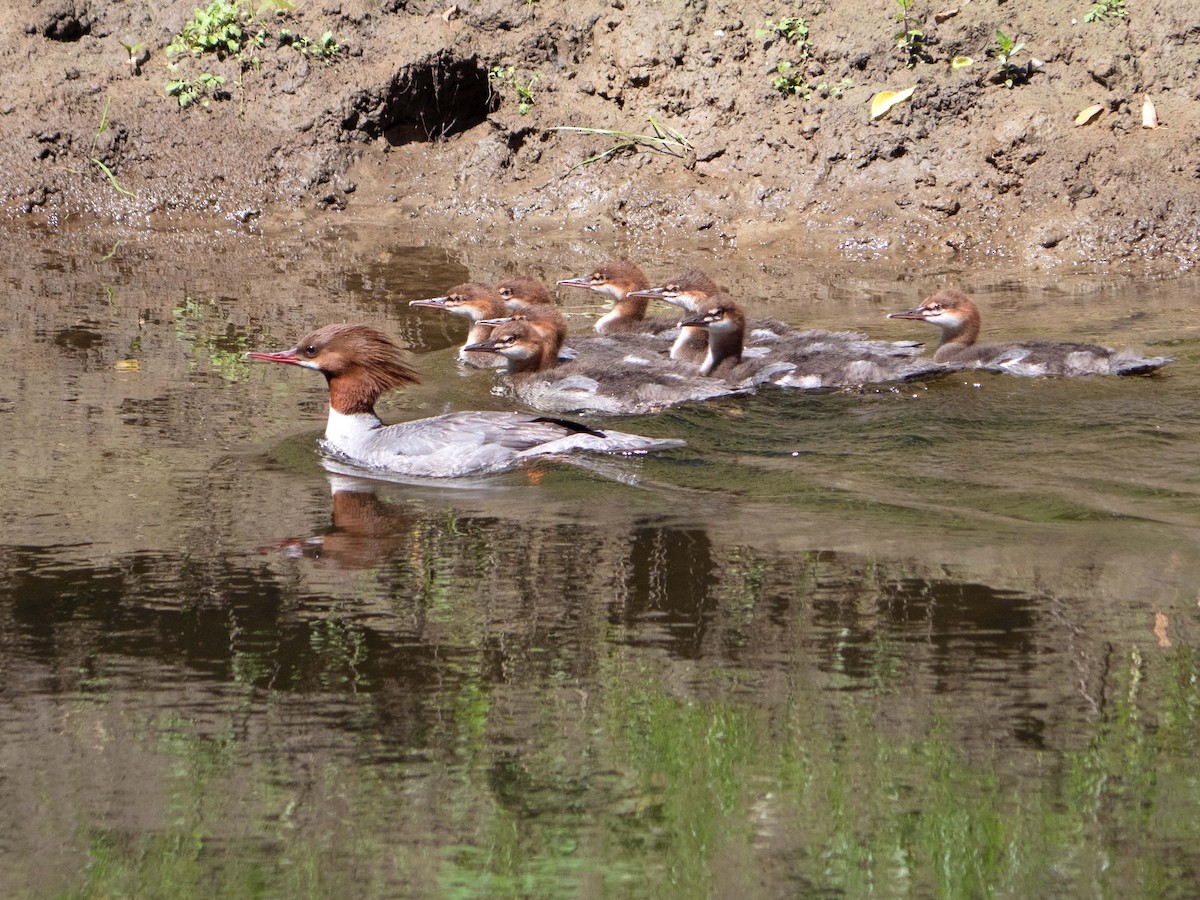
(448,113)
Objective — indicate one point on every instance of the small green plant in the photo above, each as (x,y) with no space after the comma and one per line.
(790,73)
(325,47)
(523,88)
(664,140)
(1106,9)
(216,29)
(792,29)
(910,39)
(134,56)
(199,89)
(99,163)
(825,89)
(1008,73)
(789,80)
(228,29)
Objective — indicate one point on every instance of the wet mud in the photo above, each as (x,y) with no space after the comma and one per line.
(451,114)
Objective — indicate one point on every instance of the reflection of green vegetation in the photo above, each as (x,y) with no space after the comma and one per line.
(342,647)
(689,797)
(524,764)
(197,321)
(677,796)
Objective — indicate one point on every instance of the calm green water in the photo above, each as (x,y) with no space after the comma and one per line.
(943,641)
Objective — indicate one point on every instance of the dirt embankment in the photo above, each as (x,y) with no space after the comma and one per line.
(448,111)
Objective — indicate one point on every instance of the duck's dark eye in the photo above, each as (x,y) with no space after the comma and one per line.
(311,350)
(934,307)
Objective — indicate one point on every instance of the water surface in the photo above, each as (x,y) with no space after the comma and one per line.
(940,640)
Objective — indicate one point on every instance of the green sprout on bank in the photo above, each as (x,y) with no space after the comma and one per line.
(1007,72)
(1106,9)
(228,29)
(133,56)
(325,47)
(792,29)
(522,87)
(199,89)
(218,28)
(835,90)
(664,140)
(99,163)
(910,39)
(790,73)
(791,81)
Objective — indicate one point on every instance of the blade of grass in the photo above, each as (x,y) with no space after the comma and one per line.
(113,178)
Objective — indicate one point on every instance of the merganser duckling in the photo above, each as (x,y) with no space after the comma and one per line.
(527,298)
(958,317)
(523,290)
(548,321)
(477,302)
(687,292)
(806,360)
(620,280)
(692,290)
(607,376)
(360,364)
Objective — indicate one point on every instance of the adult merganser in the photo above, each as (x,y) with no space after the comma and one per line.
(477,302)
(360,364)
(625,375)
(619,280)
(803,359)
(958,317)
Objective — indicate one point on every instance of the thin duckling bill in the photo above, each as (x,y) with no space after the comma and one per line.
(620,281)
(475,302)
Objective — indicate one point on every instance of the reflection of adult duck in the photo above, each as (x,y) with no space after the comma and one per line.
(360,364)
(958,317)
(365,529)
